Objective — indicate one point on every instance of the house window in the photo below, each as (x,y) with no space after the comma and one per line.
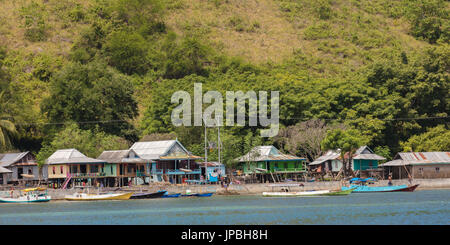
(61,169)
(54,170)
(30,171)
(94,168)
(437,170)
(420,170)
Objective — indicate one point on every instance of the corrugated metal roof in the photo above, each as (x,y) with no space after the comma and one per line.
(417,158)
(121,156)
(369,157)
(70,156)
(329,155)
(365,153)
(153,150)
(4,170)
(266,153)
(11,158)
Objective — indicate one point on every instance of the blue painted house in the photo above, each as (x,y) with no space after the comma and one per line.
(169,161)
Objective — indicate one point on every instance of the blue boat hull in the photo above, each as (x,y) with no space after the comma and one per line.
(363,188)
(198,195)
(171,195)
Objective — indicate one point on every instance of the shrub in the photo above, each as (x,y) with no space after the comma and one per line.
(34,22)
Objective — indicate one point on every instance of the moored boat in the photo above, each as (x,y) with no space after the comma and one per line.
(307,193)
(394,188)
(286,191)
(98,197)
(174,195)
(146,195)
(362,187)
(31,195)
(189,194)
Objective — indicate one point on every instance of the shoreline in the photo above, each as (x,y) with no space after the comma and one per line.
(244,189)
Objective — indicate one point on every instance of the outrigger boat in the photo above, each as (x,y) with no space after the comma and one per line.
(287,193)
(360,186)
(31,195)
(98,197)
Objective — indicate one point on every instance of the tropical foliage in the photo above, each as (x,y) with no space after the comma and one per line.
(377,68)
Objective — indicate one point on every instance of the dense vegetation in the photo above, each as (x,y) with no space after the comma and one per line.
(101,71)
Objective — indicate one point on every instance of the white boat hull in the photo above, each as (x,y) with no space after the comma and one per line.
(95,197)
(26,199)
(295,194)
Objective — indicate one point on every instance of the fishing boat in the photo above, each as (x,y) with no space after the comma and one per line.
(189,194)
(146,195)
(171,195)
(98,197)
(362,187)
(208,194)
(31,195)
(286,192)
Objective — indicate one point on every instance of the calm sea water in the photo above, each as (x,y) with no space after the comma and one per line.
(425,207)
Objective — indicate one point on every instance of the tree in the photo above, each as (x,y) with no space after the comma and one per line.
(89,142)
(305,137)
(434,139)
(185,58)
(348,141)
(92,95)
(127,52)
(7,128)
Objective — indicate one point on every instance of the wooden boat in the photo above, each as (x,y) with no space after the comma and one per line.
(146,195)
(174,195)
(307,193)
(286,191)
(362,187)
(367,189)
(207,194)
(98,197)
(31,195)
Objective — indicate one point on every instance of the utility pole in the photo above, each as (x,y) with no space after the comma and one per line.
(206,152)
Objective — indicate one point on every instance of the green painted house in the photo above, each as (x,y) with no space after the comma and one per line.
(265,161)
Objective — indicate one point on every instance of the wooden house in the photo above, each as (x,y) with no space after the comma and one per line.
(124,166)
(327,164)
(4,174)
(23,167)
(267,163)
(71,167)
(168,161)
(364,161)
(420,165)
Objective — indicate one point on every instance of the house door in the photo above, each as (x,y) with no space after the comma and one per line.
(83,169)
(19,173)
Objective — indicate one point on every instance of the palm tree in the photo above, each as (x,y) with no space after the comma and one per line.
(7,128)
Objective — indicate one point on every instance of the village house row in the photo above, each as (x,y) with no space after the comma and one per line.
(169,161)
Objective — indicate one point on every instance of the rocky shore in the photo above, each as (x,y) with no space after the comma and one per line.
(246,189)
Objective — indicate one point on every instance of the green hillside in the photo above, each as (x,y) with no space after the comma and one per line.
(108,68)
